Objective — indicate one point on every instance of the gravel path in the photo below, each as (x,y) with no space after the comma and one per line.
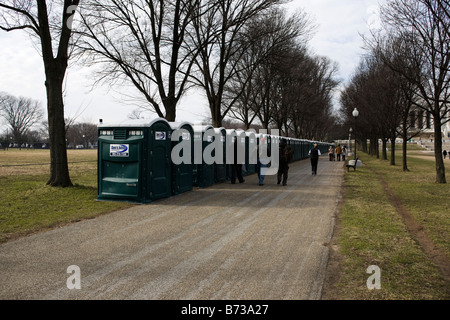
(227,241)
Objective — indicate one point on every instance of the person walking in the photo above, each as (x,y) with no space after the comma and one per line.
(331,153)
(338,152)
(285,156)
(344,153)
(314,155)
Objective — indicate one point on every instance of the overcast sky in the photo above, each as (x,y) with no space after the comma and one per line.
(340,23)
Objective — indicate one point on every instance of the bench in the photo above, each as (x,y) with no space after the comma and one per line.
(352,165)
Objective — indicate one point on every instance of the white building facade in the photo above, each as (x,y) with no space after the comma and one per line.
(421,122)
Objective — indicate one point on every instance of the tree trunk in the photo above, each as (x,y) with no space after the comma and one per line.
(363,144)
(170,105)
(377,148)
(393,151)
(373,148)
(216,114)
(59,169)
(384,151)
(440,168)
(405,150)
(55,70)
(405,140)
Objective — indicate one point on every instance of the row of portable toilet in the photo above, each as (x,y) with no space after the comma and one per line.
(302,147)
(135,158)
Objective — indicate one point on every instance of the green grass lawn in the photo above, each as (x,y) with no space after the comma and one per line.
(428,201)
(371,232)
(28,205)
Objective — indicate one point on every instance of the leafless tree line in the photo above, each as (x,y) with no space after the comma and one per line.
(22,124)
(407,66)
(247,56)
(19,114)
(286,87)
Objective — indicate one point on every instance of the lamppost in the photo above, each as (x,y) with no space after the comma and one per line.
(355,114)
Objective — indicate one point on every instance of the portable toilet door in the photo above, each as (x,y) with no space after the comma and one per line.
(220,173)
(203,137)
(293,143)
(182,173)
(229,150)
(298,150)
(241,150)
(274,144)
(120,167)
(159,166)
(305,149)
(251,148)
(262,152)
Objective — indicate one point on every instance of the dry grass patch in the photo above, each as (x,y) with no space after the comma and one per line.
(29,205)
(371,232)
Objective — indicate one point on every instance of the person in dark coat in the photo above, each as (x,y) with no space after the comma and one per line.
(285,155)
(314,154)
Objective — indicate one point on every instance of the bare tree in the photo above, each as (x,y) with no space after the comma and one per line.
(405,95)
(49,27)
(216,35)
(306,87)
(142,43)
(423,26)
(354,96)
(384,98)
(20,114)
(267,39)
(82,134)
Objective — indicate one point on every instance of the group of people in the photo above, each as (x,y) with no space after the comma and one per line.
(338,153)
(285,157)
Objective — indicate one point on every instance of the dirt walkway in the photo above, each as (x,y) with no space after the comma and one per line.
(228,241)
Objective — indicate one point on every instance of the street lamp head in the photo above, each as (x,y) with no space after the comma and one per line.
(351,130)
(355,113)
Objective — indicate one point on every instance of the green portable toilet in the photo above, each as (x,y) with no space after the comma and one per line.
(134,160)
(229,147)
(251,150)
(298,151)
(261,151)
(305,149)
(220,172)
(203,137)
(242,142)
(182,173)
(292,143)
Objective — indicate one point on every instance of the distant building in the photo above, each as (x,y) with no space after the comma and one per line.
(422,122)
